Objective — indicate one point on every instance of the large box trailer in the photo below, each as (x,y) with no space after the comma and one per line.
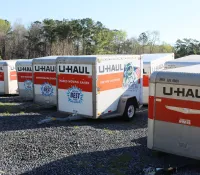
(174,111)
(44,72)
(25,78)
(8,77)
(183,61)
(100,86)
(152,62)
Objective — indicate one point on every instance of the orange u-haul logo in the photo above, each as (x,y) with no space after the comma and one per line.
(111,68)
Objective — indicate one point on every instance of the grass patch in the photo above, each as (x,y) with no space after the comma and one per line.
(76,127)
(22,112)
(108,131)
(6,113)
(7,104)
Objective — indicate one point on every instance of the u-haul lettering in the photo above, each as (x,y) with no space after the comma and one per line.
(75,69)
(111,68)
(181,92)
(24,69)
(158,67)
(44,68)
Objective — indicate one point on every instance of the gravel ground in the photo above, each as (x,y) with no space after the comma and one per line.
(103,147)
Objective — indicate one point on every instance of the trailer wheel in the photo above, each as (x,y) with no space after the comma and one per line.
(129,112)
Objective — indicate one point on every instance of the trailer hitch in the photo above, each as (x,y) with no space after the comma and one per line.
(70,117)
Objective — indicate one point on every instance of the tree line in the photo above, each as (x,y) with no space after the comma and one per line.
(80,37)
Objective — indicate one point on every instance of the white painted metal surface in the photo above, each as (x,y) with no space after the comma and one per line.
(8,77)
(183,61)
(174,111)
(25,78)
(44,72)
(92,85)
(152,62)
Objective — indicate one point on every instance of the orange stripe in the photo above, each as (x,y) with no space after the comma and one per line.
(1,76)
(13,75)
(164,114)
(84,82)
(151,107)
(45,77)
(22,76)
(145,80)
(110,81)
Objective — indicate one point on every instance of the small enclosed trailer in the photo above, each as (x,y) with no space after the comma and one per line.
(8,77)
(44,72)
(152,62)
(25,78)
(174,111)
(100,86)
(183,61)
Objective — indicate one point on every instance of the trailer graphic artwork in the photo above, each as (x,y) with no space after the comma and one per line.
(75,95)
(46,89)
(28,85)
(131,76)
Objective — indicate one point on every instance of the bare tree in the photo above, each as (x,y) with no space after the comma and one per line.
(153,39)
(143,40)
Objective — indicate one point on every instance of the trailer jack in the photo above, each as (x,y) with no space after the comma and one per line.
(159,171)
(71,117)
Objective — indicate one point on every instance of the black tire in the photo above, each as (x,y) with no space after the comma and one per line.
(129,112)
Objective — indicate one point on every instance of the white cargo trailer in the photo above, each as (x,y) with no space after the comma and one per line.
(25,78)
(152,62)
(174,111)
(183,61)
(44,72)
(100,86)
(8,77)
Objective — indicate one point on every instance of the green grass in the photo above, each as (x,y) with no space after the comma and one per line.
(6,113)
(7,104)
(108,131)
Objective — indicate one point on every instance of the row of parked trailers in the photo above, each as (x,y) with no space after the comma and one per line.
(82,84)
(115,85)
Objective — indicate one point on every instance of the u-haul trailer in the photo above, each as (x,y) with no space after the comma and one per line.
(174,111)
(183,61)
(100,86)
(25,78)
(8,77)
(152,62)
(44,73)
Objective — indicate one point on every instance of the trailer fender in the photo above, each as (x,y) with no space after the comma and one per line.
(123,101)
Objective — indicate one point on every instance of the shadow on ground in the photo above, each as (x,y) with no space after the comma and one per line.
(121,161)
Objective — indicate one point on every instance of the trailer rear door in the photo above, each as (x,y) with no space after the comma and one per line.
(177,119)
